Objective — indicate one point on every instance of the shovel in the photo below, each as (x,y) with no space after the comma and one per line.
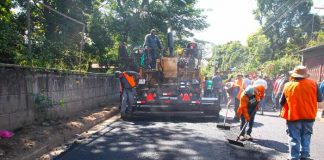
(223,126)
(236,142)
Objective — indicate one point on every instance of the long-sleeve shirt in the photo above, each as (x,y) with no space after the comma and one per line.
(152,41)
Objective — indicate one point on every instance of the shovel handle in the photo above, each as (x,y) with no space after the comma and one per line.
(242,130)
(254,111)
(227,106)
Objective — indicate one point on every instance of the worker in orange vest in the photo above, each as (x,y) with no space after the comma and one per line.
(128,81)
(299,101)
(240,83)
(249,103)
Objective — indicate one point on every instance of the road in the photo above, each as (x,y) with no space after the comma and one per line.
(188,136)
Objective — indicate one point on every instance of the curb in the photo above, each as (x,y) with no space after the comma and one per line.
(67,133)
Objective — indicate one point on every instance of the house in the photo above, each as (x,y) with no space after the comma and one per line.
(313,58)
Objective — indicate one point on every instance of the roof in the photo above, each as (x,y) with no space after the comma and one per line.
(321,46)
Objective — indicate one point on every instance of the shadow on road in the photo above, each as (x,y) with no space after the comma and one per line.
(143,140)
(281,147)
(173,117)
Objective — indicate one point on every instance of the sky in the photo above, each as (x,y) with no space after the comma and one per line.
(233,20)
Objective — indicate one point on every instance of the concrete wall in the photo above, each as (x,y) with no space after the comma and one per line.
(70,94)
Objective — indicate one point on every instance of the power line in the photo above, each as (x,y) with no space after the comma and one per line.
(283,15)
(62,14)
(289,2)
(74,20)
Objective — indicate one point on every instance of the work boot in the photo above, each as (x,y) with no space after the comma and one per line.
(242,138)
(248,137)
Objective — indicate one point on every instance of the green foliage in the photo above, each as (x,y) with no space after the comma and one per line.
(259,48)
(280,66)
(43,104)
(56,40)
(286,21)
(10,40)
(229,56)
(318,41)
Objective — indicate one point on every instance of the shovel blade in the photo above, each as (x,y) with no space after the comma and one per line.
(221,126)
(237,143)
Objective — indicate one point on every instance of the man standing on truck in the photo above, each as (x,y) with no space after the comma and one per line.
(128,80)
(152,43)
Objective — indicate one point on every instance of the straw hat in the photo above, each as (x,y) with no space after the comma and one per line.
(299,72)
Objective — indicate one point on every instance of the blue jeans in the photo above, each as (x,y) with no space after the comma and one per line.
(249,130)
(127,100)
(299,133)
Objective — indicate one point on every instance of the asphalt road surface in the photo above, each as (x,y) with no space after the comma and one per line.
(189,136)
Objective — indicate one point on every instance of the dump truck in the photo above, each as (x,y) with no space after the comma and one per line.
(175,84)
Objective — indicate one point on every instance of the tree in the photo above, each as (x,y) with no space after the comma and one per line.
(280,66)
(259,48)
(282,20)
(134,19)
(10,39)
(56,40)
(318,40)
(229,56)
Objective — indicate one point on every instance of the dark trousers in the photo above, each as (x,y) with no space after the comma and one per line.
(208,93)
(236,105)
(154,56)
(217,94)
(250,125)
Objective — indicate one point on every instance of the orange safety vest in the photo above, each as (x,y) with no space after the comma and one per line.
(130,79)
(301,100)
(241,85)
(244,100)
